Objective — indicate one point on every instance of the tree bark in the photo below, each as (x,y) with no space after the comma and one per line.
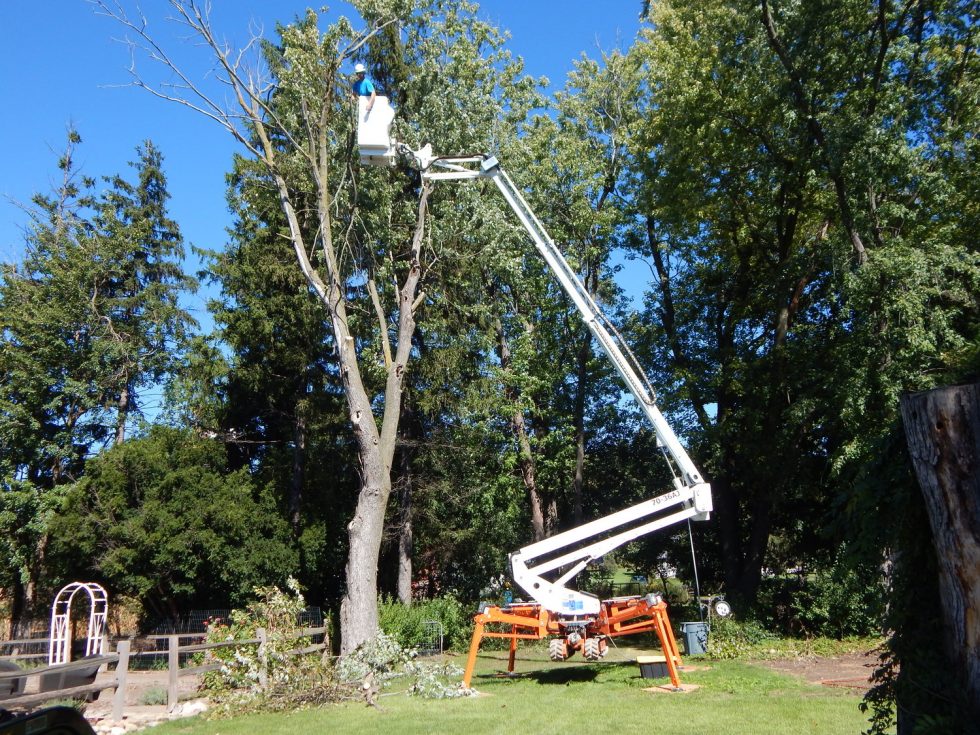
(581,388)
(28,606)
(411,433)
(298,478)
(405,538)
(942,429)
(582,357)
(376,448)
(525,455)
(123,414)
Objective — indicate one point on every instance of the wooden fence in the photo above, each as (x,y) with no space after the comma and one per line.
(175,670)
(118,682)
(174,651)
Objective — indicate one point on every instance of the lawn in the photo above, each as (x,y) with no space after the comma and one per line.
(575,697)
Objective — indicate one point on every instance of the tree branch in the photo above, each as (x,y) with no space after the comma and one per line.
(382,321)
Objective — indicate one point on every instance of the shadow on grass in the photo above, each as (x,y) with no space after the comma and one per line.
(566,674)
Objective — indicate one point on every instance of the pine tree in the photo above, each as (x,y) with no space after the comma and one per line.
(82,324)
(140,249)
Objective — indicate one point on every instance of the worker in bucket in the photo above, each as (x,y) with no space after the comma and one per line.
(362,87)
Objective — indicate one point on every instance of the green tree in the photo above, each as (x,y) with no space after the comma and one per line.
(140,249)
(75,340)
(580,171)
(779,224)
(360,240)
(815,258)
(279,403)
(164,519)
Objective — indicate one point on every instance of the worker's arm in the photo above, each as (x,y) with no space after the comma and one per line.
(370,103)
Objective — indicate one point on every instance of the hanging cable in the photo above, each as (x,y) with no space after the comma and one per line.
(694,566)
(690,537)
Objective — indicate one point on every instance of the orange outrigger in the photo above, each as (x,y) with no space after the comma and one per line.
(617,617)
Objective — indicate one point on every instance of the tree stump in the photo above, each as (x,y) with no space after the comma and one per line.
(942,429)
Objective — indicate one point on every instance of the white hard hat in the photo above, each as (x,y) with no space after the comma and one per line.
(358,68)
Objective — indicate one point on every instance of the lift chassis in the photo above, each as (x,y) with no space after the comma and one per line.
(571,619)
(567,634)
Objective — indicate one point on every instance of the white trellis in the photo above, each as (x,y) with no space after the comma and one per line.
(59,651)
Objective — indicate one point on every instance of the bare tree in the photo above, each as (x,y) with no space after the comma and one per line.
(290,118)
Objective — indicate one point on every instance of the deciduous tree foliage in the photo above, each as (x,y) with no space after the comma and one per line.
(353,232)
(805,273)
(814,247)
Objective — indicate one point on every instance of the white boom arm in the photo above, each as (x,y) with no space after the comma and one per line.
(691,496)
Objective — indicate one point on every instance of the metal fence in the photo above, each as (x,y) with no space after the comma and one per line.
(25,648)
(196,621)
(433,638)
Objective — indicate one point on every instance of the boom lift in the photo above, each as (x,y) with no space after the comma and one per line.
(572,620)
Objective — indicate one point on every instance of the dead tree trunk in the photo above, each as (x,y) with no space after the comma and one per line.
(942,429)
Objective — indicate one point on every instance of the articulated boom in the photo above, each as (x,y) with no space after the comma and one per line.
(574,549)
(580,621)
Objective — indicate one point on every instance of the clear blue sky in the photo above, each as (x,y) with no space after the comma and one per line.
(59,64)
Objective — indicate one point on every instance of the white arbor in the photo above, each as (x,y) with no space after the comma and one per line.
(60,648)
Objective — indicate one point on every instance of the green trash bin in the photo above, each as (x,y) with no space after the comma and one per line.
(695,638)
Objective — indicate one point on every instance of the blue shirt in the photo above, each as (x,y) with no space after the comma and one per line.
(363,87)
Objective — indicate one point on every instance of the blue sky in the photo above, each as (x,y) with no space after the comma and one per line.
(60,65)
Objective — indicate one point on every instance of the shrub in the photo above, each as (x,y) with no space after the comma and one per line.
(180,516)
(839,601)
(730,638)
(842,601)
(674,592)
(154,696)
(406,624)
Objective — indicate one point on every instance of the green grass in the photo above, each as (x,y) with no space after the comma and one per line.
(734,697)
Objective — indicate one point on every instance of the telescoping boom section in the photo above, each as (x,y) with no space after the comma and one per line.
(574,620)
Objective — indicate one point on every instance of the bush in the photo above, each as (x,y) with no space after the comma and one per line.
(675,592)
(289,676)
(840,601)
(154,696)
(406,624)
(730,638)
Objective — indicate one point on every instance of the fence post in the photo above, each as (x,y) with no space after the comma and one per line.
(122,673)
(173,668)
(263,659)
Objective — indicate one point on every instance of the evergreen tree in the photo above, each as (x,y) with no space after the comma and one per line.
(75,339)
(360,237)
(164,520)
(140,249)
